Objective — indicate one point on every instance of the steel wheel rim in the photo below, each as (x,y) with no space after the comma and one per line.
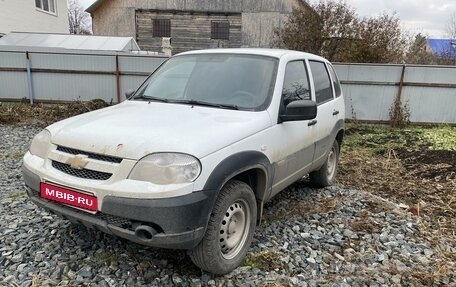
(331,166)
(234,229)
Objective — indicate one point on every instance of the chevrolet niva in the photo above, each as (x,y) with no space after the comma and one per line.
(189,160)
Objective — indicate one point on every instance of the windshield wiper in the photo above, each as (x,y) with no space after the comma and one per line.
(188,102)
(205,104)
(150,98)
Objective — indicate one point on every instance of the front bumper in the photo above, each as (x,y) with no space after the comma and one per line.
(180,221)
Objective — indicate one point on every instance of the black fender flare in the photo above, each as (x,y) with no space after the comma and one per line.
(238,163)
(340,126)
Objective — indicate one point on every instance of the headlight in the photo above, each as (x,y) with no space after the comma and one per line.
(167,168)
(41,143)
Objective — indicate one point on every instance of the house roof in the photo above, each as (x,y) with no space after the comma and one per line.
(98,3)
(94,6)
(69,42)
(443,47)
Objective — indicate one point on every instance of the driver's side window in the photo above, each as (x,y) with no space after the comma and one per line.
(296,83)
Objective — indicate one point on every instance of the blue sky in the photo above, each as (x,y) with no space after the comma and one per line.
(425,16)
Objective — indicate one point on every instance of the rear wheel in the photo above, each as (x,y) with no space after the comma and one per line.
(326,175)
(230,230)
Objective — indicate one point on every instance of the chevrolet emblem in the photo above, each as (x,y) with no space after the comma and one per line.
(78,161)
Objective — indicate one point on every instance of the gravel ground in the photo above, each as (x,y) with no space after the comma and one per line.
(309,237)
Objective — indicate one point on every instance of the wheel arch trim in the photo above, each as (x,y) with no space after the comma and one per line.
(237,164)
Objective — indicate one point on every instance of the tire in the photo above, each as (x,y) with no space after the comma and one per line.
(234,212)
(326,175)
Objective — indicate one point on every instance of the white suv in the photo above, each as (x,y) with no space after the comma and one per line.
(189,160)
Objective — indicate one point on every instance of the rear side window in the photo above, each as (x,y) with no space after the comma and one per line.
(296,83)
(322,82)
(335,81)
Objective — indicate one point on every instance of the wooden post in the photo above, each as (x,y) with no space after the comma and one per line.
(401,84)
(29,77)
(396,111)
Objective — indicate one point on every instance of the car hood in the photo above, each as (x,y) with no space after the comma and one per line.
(134,129)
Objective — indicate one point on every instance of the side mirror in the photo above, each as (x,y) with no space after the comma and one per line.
(300,111)
(129,93)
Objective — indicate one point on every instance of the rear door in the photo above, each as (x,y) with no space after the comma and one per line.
(339,105)
(324,97)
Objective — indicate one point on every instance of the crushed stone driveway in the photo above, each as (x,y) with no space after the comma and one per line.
(309,237)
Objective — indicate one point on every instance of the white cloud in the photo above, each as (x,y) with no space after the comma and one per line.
(86,3)
(425,16)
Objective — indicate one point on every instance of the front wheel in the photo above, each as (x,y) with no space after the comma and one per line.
(230,230)
(326,175)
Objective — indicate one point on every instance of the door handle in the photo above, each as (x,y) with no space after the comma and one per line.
(312,123)
(335,113)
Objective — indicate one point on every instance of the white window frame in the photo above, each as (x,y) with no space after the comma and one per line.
(50,4)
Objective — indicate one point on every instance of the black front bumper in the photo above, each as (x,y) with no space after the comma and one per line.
(180,221)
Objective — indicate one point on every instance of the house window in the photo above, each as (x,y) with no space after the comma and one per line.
(46,5)
(220,30)
(162,28)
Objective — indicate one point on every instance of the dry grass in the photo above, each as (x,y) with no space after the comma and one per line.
(36,282)
(266,260)
(364,224)
(44,114)
(387,177)
(303,208)
(405,168)
(275,284)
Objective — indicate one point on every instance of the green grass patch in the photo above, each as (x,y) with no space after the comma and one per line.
(378,139)
(16,155)
(440,138)
(18,195)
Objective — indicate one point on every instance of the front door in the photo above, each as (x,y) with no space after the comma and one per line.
(294,150)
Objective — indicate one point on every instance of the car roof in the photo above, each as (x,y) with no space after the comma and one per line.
(276,53)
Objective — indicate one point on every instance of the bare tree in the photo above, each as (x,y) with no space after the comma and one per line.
(334,30)
(381,40)
(451,26)
(326,29)
(418,53)
(448,57)
(80,21)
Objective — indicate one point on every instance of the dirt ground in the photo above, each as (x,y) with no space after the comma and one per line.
(415,167)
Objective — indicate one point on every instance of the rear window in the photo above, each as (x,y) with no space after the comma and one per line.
(335,81)
(322,82)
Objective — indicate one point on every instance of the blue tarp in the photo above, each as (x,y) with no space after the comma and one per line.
(443,47)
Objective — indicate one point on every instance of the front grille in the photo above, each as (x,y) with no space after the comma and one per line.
(82,173)
(91,155)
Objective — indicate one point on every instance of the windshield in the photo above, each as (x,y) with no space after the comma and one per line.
(219,80)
